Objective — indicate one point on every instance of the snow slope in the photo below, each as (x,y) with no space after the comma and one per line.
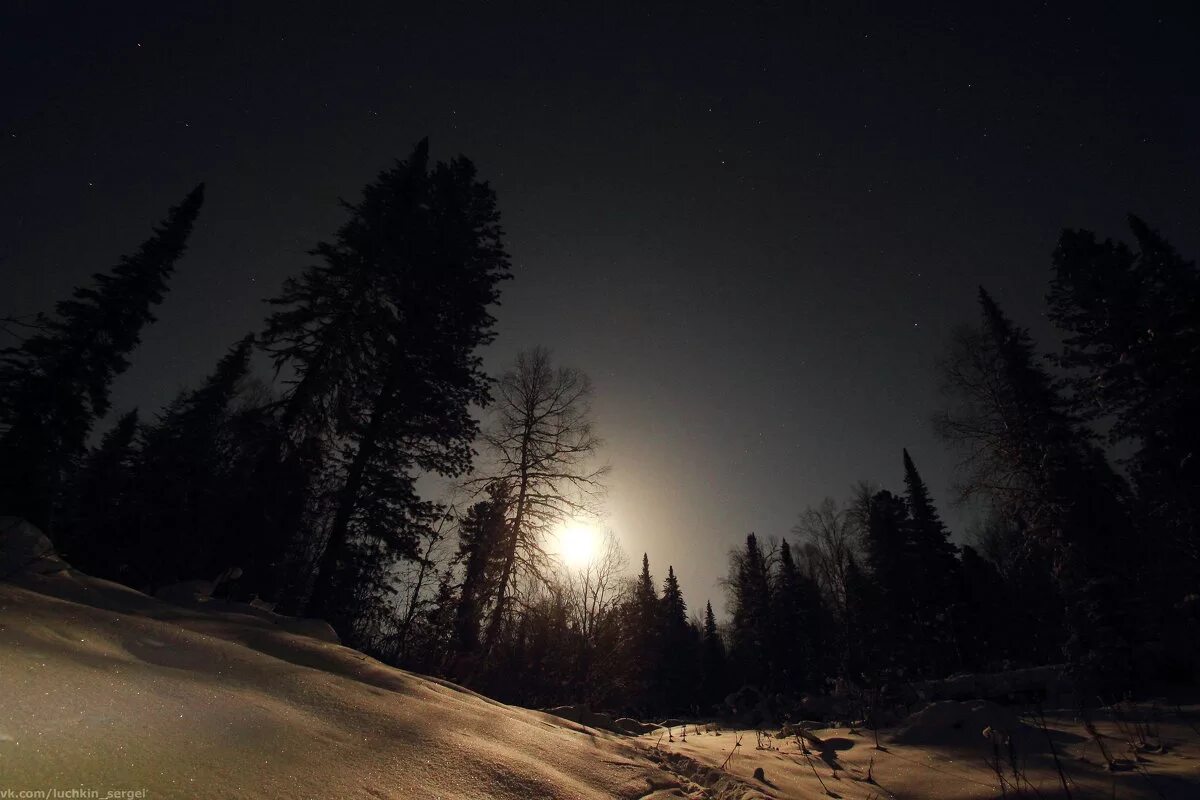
(103,688)
(107,690)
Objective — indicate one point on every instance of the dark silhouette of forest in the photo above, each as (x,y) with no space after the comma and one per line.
(302,493)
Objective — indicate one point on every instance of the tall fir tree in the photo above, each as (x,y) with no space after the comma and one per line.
(984,628)
(795,618)
(644,638)
(99,530)
(677,674)
(1044,471)
(1131,316)
(714,678)
(891,602)
(185,491)
(481,532)
(750,596)
(54,386)
(863,652)
(936,581)
(382,337)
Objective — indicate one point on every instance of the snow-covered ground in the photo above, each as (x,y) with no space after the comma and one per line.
(942,753)
(106,690)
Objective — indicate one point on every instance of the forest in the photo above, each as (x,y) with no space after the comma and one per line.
(291,478)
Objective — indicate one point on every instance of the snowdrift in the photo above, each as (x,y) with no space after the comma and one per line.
(103,688)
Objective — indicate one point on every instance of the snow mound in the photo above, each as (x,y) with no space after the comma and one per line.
(951,723)
(106,688)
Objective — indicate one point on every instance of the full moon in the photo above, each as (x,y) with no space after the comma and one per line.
(577,542)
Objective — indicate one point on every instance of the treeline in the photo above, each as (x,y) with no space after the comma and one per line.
(1078,558)
(305,498)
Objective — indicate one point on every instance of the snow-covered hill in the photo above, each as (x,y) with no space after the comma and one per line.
(103,688)
(112,693)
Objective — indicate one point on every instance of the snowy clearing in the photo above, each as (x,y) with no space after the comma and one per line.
(109,690)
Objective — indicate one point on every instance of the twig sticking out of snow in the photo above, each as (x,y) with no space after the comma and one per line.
(808,758)
(737,742)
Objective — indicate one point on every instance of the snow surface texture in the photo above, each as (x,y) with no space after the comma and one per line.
(942,753)
(104,688)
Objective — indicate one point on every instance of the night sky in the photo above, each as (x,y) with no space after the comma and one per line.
(754,225)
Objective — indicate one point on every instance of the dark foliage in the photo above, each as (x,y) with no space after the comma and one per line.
(381,336)
(54,386)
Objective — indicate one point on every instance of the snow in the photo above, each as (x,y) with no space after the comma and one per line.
(105,688)
(940,754)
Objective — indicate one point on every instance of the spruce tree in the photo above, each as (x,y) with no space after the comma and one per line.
(1029,454)
(480,535)
(644,637)
(644,595)
(185,494)
(750,596)
(54,386)
(381,336)
(97,536)
(984,625)
(864,652)
(714,679)
(891,603)
(673,609)
(795,615)
(677,673)
(935,578)
(1131,316)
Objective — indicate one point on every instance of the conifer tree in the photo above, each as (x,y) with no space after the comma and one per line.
(795,615)
(714,679)
(890,604)
(431,638)
(673,611)
(98,530)
(644,636)
(481,533)
(184,490)
(985,631)
(677,672)
(54,386)
(1026,451)
(750,596)
(1132,319)
(935,577)
(863,651)
(381,336)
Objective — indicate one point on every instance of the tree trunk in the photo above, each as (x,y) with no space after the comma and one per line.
(321,602)
(510,558)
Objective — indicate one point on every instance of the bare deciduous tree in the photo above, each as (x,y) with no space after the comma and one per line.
(831,535)
(543,445)
(594,594)
(595,589)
